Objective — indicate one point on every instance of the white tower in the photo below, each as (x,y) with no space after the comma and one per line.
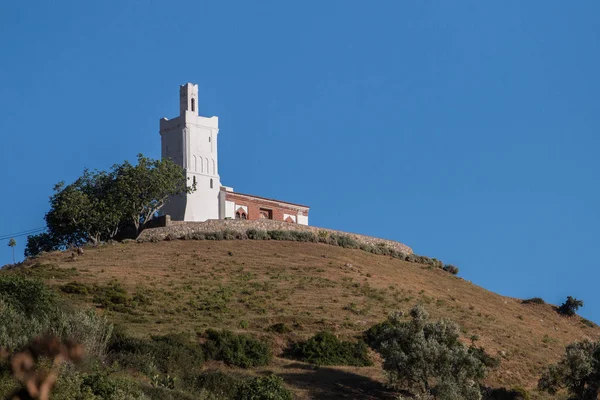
(191,142)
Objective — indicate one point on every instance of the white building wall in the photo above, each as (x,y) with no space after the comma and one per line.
(190,140)
(302,220)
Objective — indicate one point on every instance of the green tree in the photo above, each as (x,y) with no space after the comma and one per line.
(570,306)
(427,357)
(100,204)
(142,190)
(578,371)
(12,243)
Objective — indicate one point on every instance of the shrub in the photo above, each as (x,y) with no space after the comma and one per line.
(74,288)
(303,236)
(218,383)
(256,234)
(570,306)
(325,348)
(172,354)
(84,327)
(264,388)
(425,356)
(280,235)
(578,371)
(29,295)
(240,350)
(112,296)
(279,328)
(214,236)
(17,329)
(343,241)
(451,268)
(533,300)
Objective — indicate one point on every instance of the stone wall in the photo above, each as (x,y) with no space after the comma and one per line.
(182,228)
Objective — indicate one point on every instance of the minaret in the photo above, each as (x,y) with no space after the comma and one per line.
(190,141)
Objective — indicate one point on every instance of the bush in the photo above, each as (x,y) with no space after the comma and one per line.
(74,288)
(578,371)
(533,300)
(303,236)
(264,388)
(172,354)
(29,295)
(343,241)
(325,348)
(424,356)
(239,350)
(256,234)
(517,393)
(84,327)
(280,235)
(218,383)
(570,306)
(95,386)
(451,268)
(214,236)
(112,296)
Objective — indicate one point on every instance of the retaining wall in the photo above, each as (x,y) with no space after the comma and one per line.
(179,229)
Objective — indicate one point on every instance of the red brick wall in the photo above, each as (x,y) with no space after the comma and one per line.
(254,205)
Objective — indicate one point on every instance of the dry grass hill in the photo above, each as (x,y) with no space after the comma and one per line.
(249,285)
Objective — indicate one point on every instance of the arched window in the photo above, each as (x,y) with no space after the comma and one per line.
(211,183)
(237,215)
(193,104)
(194,180)
(243,216)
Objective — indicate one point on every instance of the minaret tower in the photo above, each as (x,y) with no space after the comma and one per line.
(191,142)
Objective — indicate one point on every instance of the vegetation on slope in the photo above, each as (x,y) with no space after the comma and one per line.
(170,295)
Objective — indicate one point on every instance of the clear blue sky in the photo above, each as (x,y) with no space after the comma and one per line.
(468,130)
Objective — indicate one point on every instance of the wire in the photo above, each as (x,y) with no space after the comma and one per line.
(22,233)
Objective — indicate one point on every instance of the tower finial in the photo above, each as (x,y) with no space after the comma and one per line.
(188,99)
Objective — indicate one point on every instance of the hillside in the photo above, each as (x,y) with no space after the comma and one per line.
(248,285)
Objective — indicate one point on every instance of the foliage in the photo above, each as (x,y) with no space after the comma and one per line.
(74,288)
(99,204)
(98,385)
(12,243)
(570,306)
(87,328)
(257,234)
(451,268)
(264,388)
(533,300)
(578,371)
(41,243)
(112,296)
(324,348)
(427,356)
(28,295)
(172,354)
(236,349)
(517,393)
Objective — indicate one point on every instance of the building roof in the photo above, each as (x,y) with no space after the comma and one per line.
(266,198)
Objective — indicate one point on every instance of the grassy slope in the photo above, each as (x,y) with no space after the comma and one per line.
(249,285)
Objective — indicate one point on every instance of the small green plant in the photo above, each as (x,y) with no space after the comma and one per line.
(325,348)
(269,388)
(240,350)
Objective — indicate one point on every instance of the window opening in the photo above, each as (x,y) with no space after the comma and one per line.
(237,215)
(193,104)
(243,216)
(211,184)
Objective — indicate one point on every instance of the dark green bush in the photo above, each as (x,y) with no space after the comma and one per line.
(534,300)
(74,288)
(218,383)
(256,234)
(239,350)
(214,236)
(325,348)
(451,268)
(570,306)
(173,354)
(30,296)
(264,388)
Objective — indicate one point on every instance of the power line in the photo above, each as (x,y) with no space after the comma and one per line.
(22,233)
